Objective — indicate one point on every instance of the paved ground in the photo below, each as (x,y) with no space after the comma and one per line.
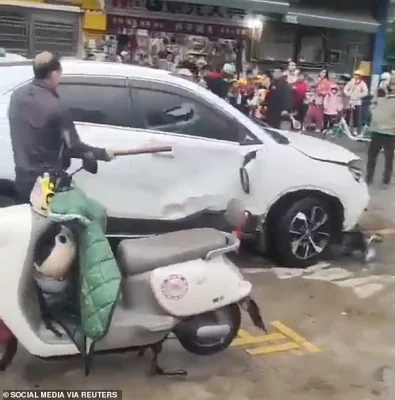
(343,307)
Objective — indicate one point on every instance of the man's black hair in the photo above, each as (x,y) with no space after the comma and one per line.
(43,69)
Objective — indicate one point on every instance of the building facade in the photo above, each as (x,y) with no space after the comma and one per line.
(312,32)
(28,27)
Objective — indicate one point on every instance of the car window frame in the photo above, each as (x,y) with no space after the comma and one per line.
(173,89)
(104,81)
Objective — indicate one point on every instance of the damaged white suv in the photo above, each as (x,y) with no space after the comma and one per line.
(301,192)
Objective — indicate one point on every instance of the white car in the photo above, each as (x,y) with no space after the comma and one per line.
(7,57)
(302,192)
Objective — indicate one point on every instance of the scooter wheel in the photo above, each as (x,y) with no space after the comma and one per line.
(186,331)
(7,353)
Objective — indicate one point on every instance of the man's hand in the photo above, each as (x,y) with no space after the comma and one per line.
(110,155)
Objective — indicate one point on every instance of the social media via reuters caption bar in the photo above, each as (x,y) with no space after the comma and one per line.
(63,394)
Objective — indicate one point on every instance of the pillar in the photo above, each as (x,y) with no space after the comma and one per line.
(379,43)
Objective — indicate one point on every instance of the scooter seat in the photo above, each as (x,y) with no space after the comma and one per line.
(136,256)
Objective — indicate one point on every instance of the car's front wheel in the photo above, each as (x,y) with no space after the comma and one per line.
(303,233)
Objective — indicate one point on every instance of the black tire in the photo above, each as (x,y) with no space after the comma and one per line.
(9,353)
(289,221)
(185,331)
(6,201)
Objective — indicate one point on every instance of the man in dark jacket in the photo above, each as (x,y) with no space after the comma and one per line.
(40,125)
(278,99)
(220,80)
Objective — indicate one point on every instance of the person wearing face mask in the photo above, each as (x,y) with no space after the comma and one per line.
(355,90)
(40,125)
(382,130)
(292,73)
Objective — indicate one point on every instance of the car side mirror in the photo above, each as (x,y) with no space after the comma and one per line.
(90,166)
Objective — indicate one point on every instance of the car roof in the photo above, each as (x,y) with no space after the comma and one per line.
(111,69)
(16,73)
(21,71)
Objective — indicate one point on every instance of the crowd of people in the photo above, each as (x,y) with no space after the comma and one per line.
(302,100)
(313,103)
(291,95)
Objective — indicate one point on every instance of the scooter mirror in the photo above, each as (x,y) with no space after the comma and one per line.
(90,166)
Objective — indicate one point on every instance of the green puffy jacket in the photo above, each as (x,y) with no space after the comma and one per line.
(99,276)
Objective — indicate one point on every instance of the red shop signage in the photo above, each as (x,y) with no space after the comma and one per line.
(126,25)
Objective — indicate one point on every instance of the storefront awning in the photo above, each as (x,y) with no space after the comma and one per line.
(331,19)
(258,6)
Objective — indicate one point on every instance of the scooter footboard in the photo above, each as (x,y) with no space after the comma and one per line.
(198,286)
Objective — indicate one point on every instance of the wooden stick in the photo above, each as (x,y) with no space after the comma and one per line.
(143,150)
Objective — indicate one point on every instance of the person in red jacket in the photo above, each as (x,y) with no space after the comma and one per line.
(299,104)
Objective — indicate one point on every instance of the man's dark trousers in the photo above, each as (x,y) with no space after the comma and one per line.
(387,143)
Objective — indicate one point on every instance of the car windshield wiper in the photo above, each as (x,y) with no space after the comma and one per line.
(278,137)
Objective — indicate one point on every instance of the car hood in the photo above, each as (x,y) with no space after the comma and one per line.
(319,149)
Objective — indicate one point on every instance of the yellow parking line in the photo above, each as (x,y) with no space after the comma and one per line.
(242,334)
(273,349)
(299,340)
(249,339)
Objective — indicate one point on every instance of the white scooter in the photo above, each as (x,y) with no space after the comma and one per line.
(179,283)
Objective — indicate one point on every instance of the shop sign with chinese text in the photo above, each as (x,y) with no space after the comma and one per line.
(180,8)
(127,25)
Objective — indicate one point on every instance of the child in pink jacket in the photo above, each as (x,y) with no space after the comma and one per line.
(333,105)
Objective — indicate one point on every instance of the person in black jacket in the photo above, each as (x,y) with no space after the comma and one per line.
(40,125)
(278,99)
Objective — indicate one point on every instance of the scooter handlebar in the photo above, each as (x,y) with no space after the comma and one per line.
(143,150)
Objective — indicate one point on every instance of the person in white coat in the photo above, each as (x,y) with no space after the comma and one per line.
(355,91)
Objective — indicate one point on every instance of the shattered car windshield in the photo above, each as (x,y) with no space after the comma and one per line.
(275,135)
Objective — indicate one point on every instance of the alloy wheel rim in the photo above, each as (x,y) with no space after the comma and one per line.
(309,233)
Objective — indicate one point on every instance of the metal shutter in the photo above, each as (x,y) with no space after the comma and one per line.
(14,33)
(60,37)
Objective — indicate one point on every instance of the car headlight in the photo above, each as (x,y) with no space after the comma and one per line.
(355,167)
